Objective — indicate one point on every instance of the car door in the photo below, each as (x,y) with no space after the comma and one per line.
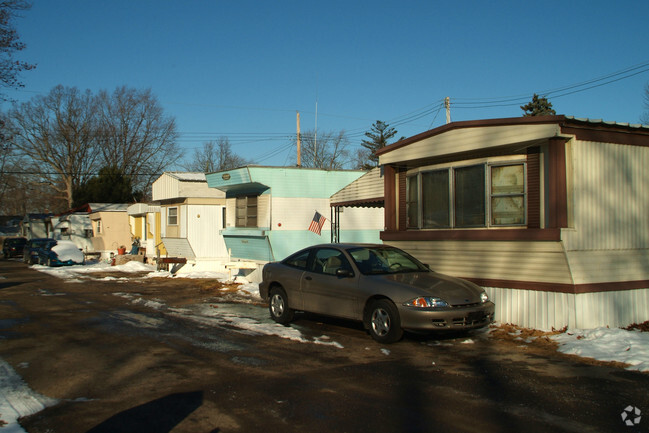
(326,292)
(291,276)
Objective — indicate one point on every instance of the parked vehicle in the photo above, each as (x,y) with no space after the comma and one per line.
(30,252)
(60,253)
(384,287)
(13,247)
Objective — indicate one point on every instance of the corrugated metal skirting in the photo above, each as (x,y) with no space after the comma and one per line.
(550,310)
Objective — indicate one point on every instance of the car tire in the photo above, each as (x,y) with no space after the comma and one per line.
(383,321)
(278,306)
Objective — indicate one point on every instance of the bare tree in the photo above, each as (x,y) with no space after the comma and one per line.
(327,151)
(136,135)
(10,44)
(57,133)
(215,156)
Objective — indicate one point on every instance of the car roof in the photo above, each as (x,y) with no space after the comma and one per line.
(349,245)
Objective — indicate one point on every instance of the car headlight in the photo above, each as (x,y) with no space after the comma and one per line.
(484,297)
(426,302)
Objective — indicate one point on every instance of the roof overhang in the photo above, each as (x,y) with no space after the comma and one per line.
(234,182)
(474,137)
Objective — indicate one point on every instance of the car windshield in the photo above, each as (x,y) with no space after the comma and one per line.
(384,260)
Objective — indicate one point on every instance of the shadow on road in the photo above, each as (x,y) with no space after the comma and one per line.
(160,415)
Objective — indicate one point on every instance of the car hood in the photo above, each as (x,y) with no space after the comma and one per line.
(455,291)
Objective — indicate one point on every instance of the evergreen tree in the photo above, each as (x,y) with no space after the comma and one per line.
(538,107)
(110,186)
(378,137)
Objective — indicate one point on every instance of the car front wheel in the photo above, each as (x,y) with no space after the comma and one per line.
(278,306)
(384,322)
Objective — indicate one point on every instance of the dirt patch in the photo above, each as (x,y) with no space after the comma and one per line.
(643,327)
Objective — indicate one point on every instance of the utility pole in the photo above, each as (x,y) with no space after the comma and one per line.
(299,151)
(447,105)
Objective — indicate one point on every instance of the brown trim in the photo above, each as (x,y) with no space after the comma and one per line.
(558,192)
(390,200)
(584,130)
(615,286)
(402,208)
(377,202)
(533,189)
(607,134)
(473,235)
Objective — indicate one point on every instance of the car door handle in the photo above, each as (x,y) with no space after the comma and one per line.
(308,278)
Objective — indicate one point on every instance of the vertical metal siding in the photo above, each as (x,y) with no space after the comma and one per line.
(611,197)
(550,310)
(614,309)
(532,309)
(204,231)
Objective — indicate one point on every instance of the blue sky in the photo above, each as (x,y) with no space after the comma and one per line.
(241,69)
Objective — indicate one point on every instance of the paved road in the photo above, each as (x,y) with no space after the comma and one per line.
(131,355)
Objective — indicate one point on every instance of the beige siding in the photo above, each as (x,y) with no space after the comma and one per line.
(518,261)
(368,186)
(263,211)
(231,212)
(470,139)
(170,186)
(610,197)
(165,187)
(612,265)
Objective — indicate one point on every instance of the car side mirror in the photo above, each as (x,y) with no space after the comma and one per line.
(344,273)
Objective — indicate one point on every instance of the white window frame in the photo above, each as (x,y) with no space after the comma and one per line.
(170,216)
(488,163)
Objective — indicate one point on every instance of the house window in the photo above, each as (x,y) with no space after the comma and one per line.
(99,226)
(87,233)
(470,196)
(480,195)
(508,195)
(412,202)
(172,216)
(435,200)
(246,211)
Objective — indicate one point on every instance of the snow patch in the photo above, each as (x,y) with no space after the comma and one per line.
(607,344)
(17,400)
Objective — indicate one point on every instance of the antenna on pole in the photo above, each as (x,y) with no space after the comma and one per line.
(315,138)
(299,151)
(447,105)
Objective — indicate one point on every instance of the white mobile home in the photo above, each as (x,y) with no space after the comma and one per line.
(191,219)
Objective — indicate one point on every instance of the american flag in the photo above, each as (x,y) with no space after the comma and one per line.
(316,223)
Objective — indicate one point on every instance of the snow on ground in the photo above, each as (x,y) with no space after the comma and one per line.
(17,400)
(607,344)
(603,344)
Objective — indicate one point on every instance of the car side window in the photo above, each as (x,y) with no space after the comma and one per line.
(298,260)
(328,261)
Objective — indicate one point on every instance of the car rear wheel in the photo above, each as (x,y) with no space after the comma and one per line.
(384,322)
(278,306)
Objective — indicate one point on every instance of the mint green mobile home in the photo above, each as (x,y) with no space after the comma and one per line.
(269,210)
